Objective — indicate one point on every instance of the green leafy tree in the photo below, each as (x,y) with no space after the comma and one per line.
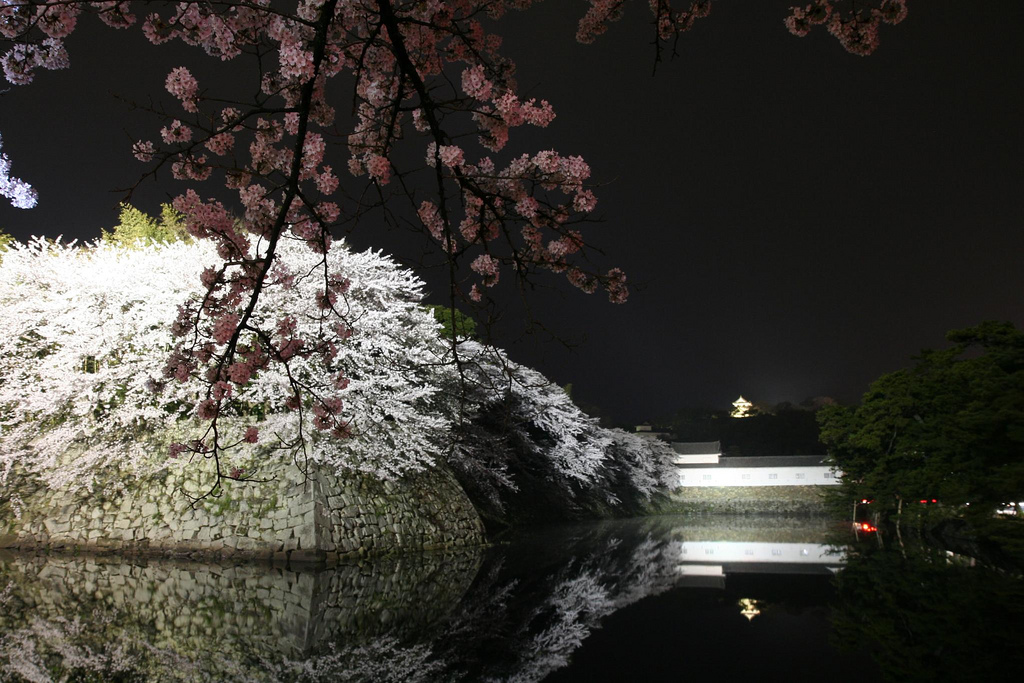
(137,226)
(951,427)
(458,324)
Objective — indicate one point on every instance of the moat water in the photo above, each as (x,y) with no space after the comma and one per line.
(655,599)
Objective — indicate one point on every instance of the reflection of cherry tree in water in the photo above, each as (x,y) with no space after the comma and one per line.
(29,654)
(527,623)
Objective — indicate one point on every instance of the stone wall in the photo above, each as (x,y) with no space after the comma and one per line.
(746,500)
(285,516)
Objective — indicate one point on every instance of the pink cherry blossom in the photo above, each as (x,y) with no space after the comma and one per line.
(225,326)
(221,144)
(615,283)
(379,168)
(475,84)
(220,390)
(240,373)
(486,265)
(176,132)
(144,150)
(183,85)
(207,409)
(451,156)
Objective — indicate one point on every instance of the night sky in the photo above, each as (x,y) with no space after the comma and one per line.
(794,220)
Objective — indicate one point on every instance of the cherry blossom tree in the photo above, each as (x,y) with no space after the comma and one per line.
(362,81)
(512,419)
(94,381)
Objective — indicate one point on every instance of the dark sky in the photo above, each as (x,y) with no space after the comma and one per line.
(794,220)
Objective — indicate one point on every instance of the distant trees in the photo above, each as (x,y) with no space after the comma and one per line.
(786,430)
(951,427)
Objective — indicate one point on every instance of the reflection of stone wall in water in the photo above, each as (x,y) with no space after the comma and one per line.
(746,500)
(322,517)
(415,618)
(189,621)
(761,529)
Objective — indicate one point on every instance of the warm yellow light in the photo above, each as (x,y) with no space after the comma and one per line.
(750,609)
(741,407)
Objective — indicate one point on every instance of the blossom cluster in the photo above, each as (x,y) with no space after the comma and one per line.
(856,28)
(21,194)
(670,22)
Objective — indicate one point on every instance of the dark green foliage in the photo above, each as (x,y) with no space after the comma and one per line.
(789,431)
(5,241)
(951,427)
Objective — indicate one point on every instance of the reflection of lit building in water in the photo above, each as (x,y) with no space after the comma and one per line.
(749,608)
(707,563)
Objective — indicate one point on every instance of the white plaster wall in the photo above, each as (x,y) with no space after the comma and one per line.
(710,458)
(820,475)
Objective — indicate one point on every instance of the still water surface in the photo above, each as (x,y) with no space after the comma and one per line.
(657,599)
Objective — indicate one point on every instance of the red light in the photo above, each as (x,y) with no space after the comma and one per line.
(924,501)
(934,501)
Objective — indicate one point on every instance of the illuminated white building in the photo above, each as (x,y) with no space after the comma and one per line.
(697,452)
(702,464)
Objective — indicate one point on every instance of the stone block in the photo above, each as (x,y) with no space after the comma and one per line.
(306,535)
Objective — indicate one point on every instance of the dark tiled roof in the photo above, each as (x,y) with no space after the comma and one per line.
(697,447)
(769,461)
